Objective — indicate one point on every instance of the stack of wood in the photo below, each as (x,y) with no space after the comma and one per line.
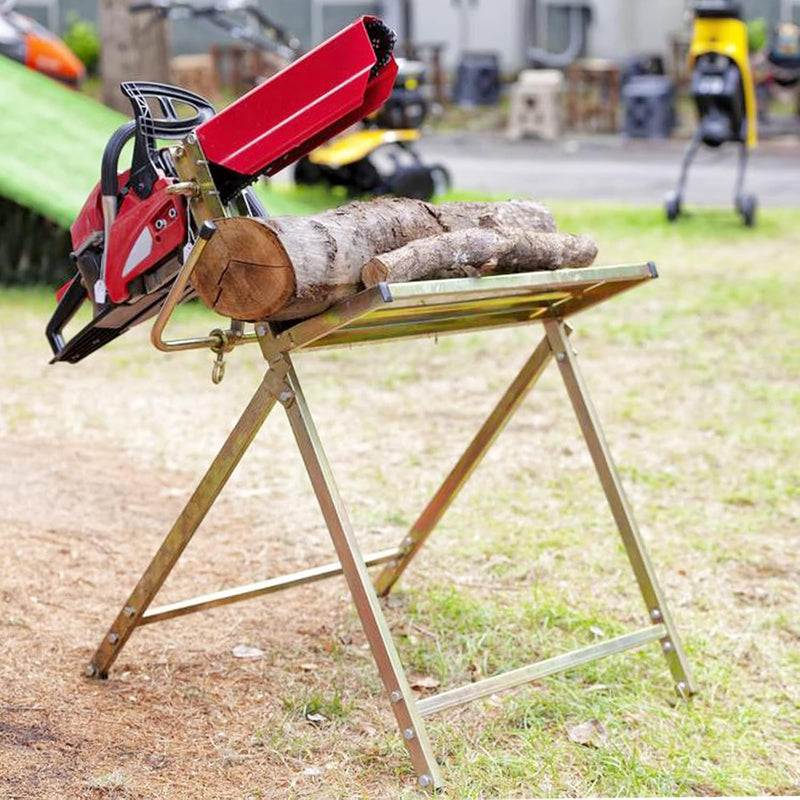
(293,267)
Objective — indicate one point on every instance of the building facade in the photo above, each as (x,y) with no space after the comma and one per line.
(618,28)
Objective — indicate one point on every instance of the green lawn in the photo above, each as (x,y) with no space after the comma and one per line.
(696,380)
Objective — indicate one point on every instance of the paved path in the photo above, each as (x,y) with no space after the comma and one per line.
(610,168)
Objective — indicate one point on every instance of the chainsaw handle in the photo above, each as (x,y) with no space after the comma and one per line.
(149,128)
(109,166)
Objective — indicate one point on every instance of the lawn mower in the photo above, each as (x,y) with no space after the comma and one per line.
(28,42)
(381,158)
(724,94)
(138,227)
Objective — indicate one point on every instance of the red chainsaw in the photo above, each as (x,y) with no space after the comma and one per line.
(138,226)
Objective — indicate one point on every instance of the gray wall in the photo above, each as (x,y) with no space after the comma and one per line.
(620,27)
(488,25)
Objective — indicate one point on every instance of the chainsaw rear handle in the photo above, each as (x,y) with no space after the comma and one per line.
(170,125)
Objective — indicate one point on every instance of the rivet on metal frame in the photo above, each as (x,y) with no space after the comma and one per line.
(113,638)
(682,689)
(286,398)
(424,781)
(396,696)
(561,356)
(667,646)
(129,611)
(90,671)
(655,615)
(408,734)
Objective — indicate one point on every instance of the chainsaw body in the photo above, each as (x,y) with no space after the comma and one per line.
(132,234)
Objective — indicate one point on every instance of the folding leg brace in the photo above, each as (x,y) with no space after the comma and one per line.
(281,384)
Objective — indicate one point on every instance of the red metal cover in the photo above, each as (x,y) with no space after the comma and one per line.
(313,99)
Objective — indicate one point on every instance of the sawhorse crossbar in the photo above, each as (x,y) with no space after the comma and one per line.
(398,311)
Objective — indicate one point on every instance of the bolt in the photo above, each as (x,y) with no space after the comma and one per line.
(178,152)
(667,647)
(396,696)
(408,734)
(424,781)
(408,542)
(113,638)
(161,224)
(172,213)
(560,356)
(655,615)
(261,330)
(191,139)
(286,396)
(129,611)
(681,688)
(90,671)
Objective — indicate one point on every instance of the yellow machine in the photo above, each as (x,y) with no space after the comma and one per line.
(383,159)
(724,93)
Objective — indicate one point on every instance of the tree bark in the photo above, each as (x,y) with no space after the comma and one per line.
(290,267)
(133,47)
(480,251)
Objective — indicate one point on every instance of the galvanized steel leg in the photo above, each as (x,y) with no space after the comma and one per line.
(366,601)
(182,531)
(615,494)
(470,459)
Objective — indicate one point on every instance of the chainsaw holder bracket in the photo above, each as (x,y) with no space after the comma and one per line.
(397,312)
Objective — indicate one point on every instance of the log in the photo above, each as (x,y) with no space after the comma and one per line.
(290,267)
(480,251)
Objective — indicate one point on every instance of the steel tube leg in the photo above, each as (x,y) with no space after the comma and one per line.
(182,531)
(615,494)
(691,152)
(366,601)
(740,171)
(470,459)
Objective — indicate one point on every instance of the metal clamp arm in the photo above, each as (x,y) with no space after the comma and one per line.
(175,295)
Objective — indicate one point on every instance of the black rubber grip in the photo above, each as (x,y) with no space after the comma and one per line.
(110,163)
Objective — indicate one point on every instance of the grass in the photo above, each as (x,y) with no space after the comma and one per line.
(695,378)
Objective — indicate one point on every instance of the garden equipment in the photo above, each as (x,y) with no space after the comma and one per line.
(381,158)
(136,228)
(380,161)
(724,93)
(242,20)
(396,312)
(783,56)
(30,43)
(649,102)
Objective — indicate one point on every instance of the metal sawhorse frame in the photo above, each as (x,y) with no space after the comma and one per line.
(395,311)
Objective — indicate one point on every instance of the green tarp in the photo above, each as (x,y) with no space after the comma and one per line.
(51,142)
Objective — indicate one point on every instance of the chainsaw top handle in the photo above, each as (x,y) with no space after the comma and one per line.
(147,97)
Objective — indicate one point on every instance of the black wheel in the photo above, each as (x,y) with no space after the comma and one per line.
(441,179)
(747,208)
(307,173)
(415,181)
(672,205)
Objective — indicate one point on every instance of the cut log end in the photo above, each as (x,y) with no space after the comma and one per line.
(244,272)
